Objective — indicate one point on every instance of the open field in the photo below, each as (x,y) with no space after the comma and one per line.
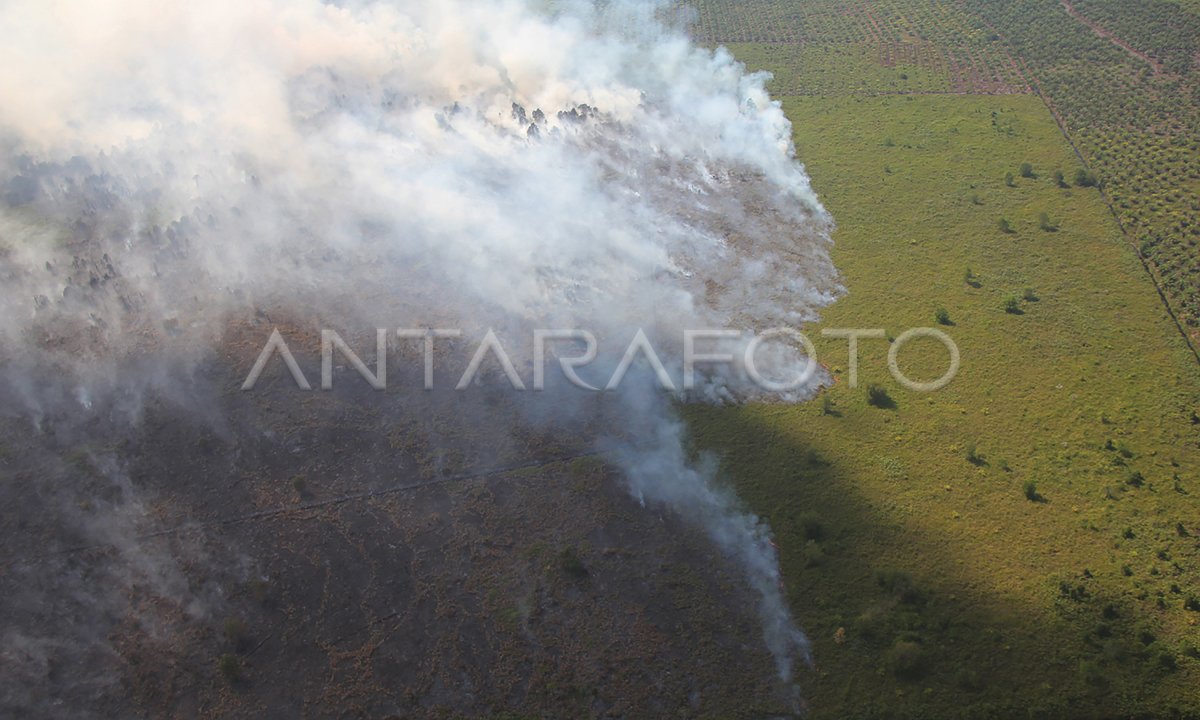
(909,528)
(1123,78)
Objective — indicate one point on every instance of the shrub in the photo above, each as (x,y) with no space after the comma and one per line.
(811,526)
(826,405)
(967,679)
(1059,180)
(1031,491)
(1005,226)
(1029,295)
(900,584)
(1012,305)
(878,396)
(1167,661)
(973,455)
(1045,224)
(1090,674)
(906,659)
(814,554)
(942,316)
(1135,479)
(1085,178)
(1009,180)
(1026,170)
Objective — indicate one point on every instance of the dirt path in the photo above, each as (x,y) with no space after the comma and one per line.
(1101,32)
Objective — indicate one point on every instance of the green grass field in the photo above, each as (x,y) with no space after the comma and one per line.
(930,584)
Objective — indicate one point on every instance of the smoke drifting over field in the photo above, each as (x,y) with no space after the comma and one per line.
(168,168)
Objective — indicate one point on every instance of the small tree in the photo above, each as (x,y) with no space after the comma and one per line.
(1029,295)
(1085,178)
(1026,170)
(1045,224)
(1031,491)
(1059,179)
(1012,305)
(1009,180)
(878,396)
(906,660)
(942,316)
(1005,226)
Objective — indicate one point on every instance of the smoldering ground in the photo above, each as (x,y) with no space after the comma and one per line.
(179,179)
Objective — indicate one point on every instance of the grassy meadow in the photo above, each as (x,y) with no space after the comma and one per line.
(1026,541)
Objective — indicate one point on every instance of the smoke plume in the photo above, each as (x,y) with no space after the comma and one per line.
(473,164)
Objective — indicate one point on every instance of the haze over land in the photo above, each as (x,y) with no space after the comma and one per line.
(180,179)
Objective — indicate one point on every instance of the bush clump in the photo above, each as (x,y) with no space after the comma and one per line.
(877,395)
(906,659)
(1031,491)
(811,527)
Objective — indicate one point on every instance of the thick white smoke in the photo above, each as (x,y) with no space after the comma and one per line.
(456,164)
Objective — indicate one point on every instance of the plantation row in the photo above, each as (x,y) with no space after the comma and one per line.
(1137,123)
(1163,30)
(938,37)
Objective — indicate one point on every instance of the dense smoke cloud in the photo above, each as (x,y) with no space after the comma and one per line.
(475,165)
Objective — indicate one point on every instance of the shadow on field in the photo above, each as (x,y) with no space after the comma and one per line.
(918,635)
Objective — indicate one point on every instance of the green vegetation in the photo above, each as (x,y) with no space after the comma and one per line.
(878,396)
(1123,79)
(1030,491)
(1085,605)
(952,589)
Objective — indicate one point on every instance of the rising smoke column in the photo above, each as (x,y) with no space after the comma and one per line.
(473,164)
